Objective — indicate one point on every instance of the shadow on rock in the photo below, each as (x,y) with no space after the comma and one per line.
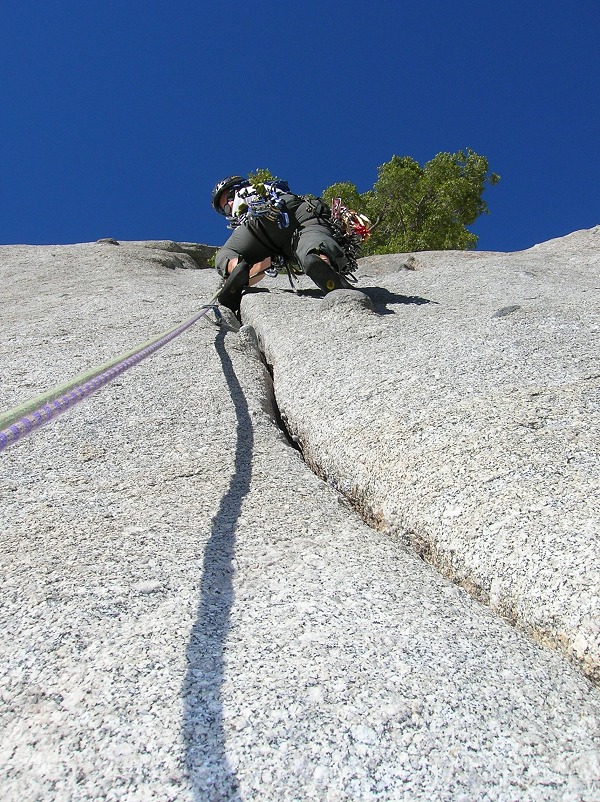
(379,296)
(210,774)
(383,298)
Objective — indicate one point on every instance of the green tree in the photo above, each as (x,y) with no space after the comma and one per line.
(416,208)
(259,177)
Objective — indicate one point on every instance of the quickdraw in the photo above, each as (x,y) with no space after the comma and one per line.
(253,203)
(350,230)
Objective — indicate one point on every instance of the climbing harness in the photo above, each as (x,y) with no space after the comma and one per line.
(26,418)
(261,203)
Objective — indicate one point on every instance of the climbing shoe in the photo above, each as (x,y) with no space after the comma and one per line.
(323,274)
(230,294)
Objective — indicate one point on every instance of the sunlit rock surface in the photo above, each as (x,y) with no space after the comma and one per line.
(190,613)
(463,416)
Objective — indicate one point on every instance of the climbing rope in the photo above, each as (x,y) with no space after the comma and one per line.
(20,421)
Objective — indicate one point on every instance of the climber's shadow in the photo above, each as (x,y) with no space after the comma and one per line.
(382,299)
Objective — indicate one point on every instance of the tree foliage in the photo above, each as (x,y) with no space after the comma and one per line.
(259,177)
(416,208)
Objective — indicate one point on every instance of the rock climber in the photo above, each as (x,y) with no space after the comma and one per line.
(268,221)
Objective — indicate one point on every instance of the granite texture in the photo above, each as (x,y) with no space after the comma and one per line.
(462,415)
(190,613)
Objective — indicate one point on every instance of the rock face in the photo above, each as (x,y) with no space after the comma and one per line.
(201,255)
(464,417)
(188,612)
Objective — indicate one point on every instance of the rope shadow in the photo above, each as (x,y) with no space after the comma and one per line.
(208,769)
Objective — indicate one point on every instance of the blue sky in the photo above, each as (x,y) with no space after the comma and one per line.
(118,117)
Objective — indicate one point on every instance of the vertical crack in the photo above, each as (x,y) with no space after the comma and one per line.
(280,418)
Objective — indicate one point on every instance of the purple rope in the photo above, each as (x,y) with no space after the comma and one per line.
(34,420)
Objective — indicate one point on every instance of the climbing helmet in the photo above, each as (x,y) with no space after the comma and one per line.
(231,183)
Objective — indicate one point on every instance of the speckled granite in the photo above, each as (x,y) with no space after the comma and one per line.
(189,613)
(463,415)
